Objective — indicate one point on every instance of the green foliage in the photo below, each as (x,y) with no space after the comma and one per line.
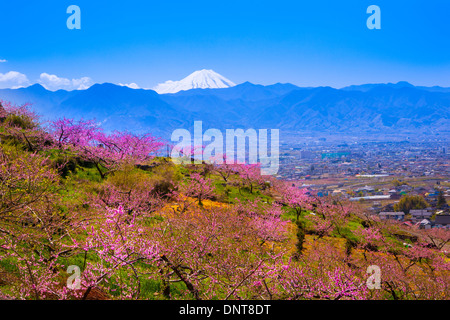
(398,183)
(164,179)
(350,244)
(128,178)
(86,174)
(301,234)
(22,131)
(64,162)
(441,202)
(408,203)
(20,121)
(345,233)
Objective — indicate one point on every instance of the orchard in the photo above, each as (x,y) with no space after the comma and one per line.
(139,226)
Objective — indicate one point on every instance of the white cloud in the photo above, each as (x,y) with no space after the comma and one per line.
(3,60)
(13,79)
(130,85)
(53,82)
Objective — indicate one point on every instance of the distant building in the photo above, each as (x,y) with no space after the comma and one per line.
(392,216)
(383,197)
(305,154)
(419,215)
(407,223)
(322,193)
(372,175)
(442,221)
(365,189)
(335,155)
(424,224)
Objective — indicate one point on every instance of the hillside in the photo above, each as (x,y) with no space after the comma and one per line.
(137,226)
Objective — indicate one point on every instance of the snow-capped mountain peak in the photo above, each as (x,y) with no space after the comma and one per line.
(201,79)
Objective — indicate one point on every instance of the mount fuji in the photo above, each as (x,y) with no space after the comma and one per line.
(202,79)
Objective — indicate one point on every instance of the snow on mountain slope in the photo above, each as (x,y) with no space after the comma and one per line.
(202,79)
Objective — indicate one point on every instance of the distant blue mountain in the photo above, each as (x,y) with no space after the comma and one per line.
(398,85)
(359,110)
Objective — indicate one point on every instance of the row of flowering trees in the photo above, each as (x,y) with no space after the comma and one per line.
(123,233)
(107,151)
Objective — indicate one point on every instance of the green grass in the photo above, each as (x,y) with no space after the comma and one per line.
(9,265)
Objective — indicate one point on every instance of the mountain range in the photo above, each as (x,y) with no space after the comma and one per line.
(357,110)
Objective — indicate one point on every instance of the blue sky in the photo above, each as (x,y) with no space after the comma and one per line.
(307,43)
